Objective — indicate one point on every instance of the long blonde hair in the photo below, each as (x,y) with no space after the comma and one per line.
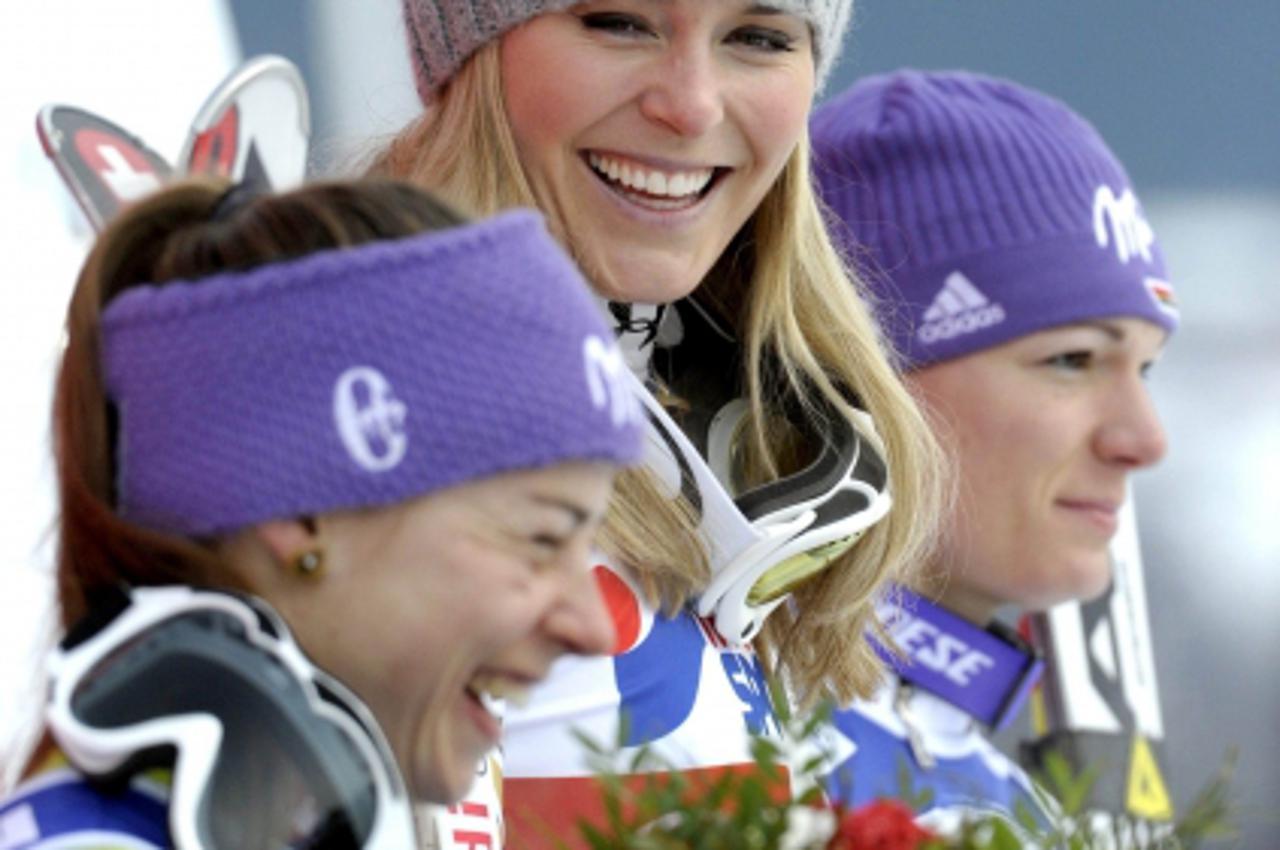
(793,303)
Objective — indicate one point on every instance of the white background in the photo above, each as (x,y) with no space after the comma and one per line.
(146,65)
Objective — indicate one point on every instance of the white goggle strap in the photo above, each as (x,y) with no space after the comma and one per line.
(739,550)
(787,531)
(680,468)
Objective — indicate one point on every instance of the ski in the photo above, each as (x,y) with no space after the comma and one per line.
(254,127)
(1099,704)
(103,165)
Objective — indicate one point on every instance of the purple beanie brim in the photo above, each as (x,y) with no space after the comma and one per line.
(1037,291)
(360,377)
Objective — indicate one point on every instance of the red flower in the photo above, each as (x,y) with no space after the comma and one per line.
(880,825)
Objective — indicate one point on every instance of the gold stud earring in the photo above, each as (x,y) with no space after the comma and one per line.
(310,563)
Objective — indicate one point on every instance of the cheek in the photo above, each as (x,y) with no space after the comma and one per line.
(1003,445)
(774,117)
(549,94)
(540,115)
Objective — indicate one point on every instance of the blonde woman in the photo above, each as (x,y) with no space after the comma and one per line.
(666,144)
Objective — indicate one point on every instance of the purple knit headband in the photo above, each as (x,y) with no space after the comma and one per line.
(981,211)
(360,377)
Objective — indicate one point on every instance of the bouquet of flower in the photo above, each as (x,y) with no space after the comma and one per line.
(649,807)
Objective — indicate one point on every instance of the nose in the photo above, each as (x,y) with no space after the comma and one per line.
(580,620)
(684,92)
(1132,436)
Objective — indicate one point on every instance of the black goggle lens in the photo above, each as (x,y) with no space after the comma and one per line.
(282,777)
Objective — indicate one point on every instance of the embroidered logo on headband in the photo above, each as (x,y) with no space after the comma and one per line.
(1118,222)
(603,364)
(370,419)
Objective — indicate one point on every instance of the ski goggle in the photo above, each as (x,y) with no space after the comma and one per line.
(266,749)
(767,541)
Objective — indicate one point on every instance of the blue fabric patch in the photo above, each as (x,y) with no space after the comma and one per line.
(884,766)
(75,806)
(658,679)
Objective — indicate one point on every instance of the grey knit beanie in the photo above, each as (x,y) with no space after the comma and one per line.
(444,33)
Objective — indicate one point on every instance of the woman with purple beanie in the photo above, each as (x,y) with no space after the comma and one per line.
(331,464)
(1023,290)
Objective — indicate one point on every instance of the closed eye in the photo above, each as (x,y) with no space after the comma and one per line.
(1071,360)
(548,542)
(764,39)
(617,23)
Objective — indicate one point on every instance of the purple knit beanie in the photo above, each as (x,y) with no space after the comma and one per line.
(360,377)
(444,33)
(980,211)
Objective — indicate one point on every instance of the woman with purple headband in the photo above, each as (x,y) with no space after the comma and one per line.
(397,429)
(1027,299)
(666,143)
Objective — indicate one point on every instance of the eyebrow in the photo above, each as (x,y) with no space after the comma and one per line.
(580,516)
(1113,331)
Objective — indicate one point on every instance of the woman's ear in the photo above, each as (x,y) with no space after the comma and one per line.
(284,539)
(293,544)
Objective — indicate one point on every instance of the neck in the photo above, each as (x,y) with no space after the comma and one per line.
(944,586)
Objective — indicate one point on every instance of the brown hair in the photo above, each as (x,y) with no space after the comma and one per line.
(190,230)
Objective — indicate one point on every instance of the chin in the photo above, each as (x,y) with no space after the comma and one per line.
(643,291)
(1090,590)
(632,281)
(1079,579)
(444,781)
(443,768)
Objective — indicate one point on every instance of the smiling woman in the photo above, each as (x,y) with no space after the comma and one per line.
(666,142)
(658,153)
(1060,418)
(1027,299)
(248,403)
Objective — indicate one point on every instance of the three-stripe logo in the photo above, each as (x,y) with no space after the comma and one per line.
(958,308)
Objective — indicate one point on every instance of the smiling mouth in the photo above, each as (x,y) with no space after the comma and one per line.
(651,188)
(494,694)
(1102,514)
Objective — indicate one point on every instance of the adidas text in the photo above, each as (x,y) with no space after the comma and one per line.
(965,323)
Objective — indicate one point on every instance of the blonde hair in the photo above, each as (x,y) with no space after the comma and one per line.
(794,304)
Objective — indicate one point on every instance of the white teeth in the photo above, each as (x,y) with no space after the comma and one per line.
(494,705)
(496,693)
(670,185)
